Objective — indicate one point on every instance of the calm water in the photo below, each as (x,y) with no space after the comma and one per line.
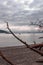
(9,40)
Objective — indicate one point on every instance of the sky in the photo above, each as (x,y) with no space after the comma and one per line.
(19,13)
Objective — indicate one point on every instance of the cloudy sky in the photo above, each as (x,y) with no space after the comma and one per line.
(20,13)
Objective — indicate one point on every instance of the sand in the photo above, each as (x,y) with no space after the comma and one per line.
(19,55)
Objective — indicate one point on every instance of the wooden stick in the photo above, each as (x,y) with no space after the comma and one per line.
(5,58)
(16,36)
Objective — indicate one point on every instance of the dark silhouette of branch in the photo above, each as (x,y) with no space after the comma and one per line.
(15,35)
(1,54)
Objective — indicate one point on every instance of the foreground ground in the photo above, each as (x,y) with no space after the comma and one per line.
(19,56)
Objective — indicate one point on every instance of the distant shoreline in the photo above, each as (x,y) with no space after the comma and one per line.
(26,32)
(20,32)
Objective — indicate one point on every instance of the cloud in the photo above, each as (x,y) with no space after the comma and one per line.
(20,12)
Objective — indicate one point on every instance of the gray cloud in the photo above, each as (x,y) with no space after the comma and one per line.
(17,12)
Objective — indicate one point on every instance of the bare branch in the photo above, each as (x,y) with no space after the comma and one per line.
(16,36)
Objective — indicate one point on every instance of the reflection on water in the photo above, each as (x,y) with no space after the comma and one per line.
(9,40)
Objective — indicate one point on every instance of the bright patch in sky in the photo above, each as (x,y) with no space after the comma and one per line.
(2,26)
(19,1)
(5,3)
(23,1)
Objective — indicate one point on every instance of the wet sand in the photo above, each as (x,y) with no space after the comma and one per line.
(19,55)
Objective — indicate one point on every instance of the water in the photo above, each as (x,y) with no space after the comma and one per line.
(8,40)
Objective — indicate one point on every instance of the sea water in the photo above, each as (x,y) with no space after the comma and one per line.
(9,40)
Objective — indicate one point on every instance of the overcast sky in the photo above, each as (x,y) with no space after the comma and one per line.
(20,12)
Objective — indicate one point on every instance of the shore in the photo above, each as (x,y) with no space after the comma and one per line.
(19,55)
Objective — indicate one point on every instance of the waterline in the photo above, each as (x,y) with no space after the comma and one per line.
(9,40)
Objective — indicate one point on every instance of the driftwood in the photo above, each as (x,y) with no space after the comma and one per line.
(36,45)
(32,47)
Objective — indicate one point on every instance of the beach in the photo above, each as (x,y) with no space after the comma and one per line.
(19,55)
